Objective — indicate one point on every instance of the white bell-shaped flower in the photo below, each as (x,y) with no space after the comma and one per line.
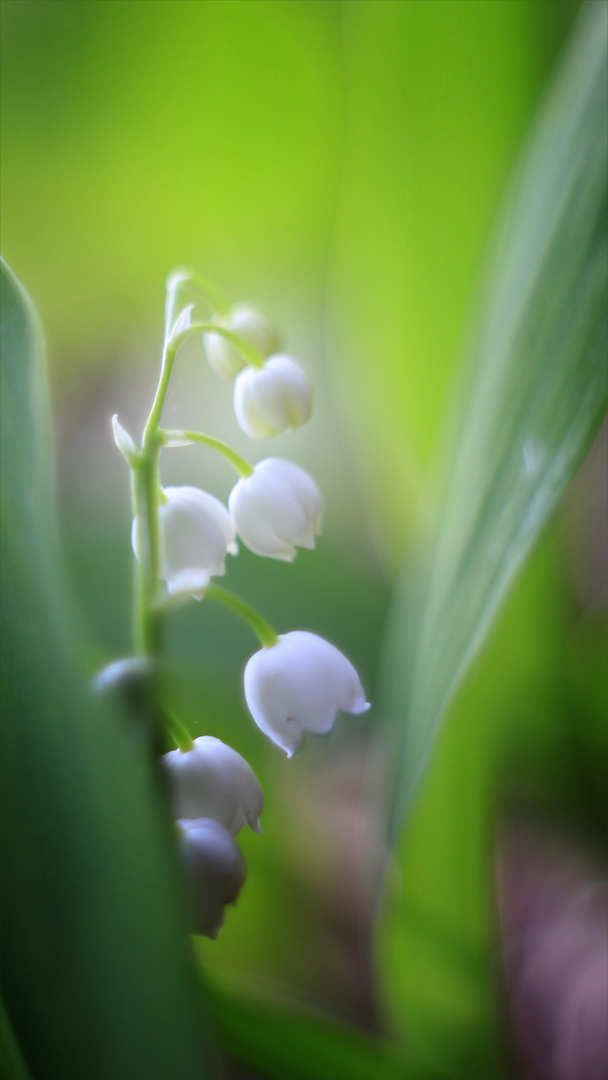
(215,872)
(272,399)
(297,685)
(276,509)
(251,326)
(196,534)
(212,781)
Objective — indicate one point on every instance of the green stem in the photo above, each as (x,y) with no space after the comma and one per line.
(146,490)
(179,733)
(173,283)
(137,501)
(218,298)
(152,425)
(172,345)
(262,629)
(184,276)
(242,467)
(146,494)
(252,357)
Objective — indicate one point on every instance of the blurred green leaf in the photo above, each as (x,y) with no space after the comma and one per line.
(439,96)
(95,972)
(219,122)
(437,938)
(12,1065)
(280,1037)
(538,395)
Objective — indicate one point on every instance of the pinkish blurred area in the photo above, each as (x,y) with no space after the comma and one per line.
(554,914)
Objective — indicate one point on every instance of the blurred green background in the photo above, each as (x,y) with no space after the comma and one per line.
(339,164)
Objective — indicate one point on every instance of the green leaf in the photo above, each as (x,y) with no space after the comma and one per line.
(538,393)
(97,982)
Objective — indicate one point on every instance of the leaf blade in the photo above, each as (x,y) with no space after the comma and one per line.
(96,979)
(538,396)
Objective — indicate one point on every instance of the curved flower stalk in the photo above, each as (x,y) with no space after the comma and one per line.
(211,780)
(215,872)
(272,399)
(247,323)
(276,509)
(297,685)
(197,533)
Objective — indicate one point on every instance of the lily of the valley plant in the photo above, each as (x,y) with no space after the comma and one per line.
(181,537)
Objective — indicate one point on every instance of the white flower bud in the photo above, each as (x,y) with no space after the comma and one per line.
(124,441)
(182,322)
(297,685)
(224,357)
(212,781)
(215,871)
(272,399)
(276,509)
(197,531)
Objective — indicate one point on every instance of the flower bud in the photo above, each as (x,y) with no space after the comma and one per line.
(272,399)
(124,676)
(215,872)
(197,531)
(212,781)
(224,357)
(183,322)
(297,685)
(276,509)
(124,441)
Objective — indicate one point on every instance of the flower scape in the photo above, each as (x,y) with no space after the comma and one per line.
(181,536)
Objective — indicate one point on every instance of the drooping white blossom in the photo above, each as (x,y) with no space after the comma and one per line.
(276,509)
(196,534)
(212,781)
(248,324)
(215,872)
(297,685)
(272,399)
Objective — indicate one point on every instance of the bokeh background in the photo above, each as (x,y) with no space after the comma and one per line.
(340,164)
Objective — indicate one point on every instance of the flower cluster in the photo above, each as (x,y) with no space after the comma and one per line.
(181,536)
